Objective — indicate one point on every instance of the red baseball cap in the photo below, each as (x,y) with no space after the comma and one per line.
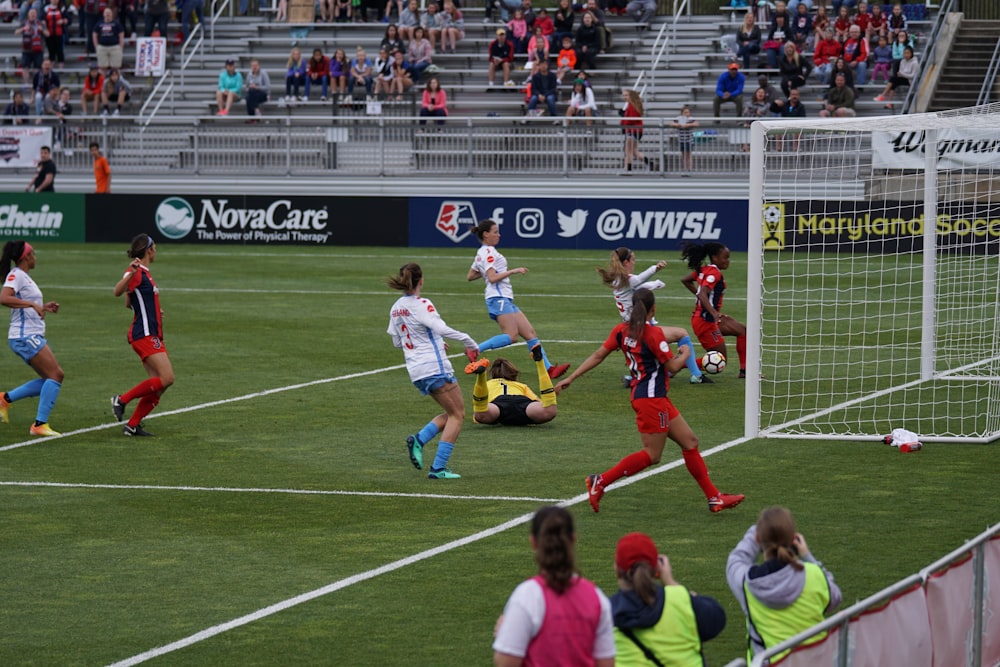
(734,66)
(635,548)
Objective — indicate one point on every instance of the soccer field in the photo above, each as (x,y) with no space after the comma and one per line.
(275,517)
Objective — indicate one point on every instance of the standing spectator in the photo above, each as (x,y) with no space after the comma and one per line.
(295,74)
(56,21)
(840,99)
(118,89)
(258,89)
(93,85)
(420,54)
(230,87)
(825,56)
(641,11)
(883,60)
(664,624)
(802,29)
(632,127)
(93,10)
(557,617)
(157,16)
(109,40)
(17,110)
(517,29)
(102,170)
(42,82)
(582,102)
(318,72)
(780,33)
(794,68)
(543,86)
(33,34)
(129,15)
(409,20)
(434,102)
(196,7)
(729,89)
(45,173)
(64,108)
(501,54)
(787,593)
(339,68)
(566,61)
(361,73)
(856,54)
(908,69)
(588,41)
(747,39)
(685,125)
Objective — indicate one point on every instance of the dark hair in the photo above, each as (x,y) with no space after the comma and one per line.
(408,278)
(484,226)
(695,254)
(140,244)
(776,536)
(12,251)
(642,303)
(615,275)
(640,578)
(94,144)
(552,528)
(503,369)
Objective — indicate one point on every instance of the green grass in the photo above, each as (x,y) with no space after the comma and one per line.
(95,575)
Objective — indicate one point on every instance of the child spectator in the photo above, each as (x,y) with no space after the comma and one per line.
(93,84)
(877,24)
(118,90)
(883,60)
(820,23)
(295,74)
(501,55)
(409,19)
(517,32)
(802,28)
(339,68)
(401,80)
(431,24)
(861,17)
(391,41)
(684,125)
(908,69)
(776,41)
(434,102)
(538,50)
(382,69)
(318,73)
(566,62)
(545,21)
(452,27)
(897,20)
(391,5)
(900,42)
(582,101)
(842,24)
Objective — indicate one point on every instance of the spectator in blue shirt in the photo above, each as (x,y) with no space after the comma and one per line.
(729,89)
(230,87)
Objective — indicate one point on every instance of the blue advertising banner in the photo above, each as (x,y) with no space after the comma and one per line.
(577,223)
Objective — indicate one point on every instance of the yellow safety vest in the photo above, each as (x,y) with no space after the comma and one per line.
(774,626)
(674,638)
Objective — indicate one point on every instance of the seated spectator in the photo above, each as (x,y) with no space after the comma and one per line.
(563,20)
(657,620)
(848,4)
(776,41)
(400,80)
(33,34)
(42,82)
(747,39)
(616,7)
(839,100)
(295,74)
(501,55)
(543,87)
(802,29)
(93,84)
(878,26)
(588,41)
(902,41)
(280,14)
(517,31)
(109,41)
(840,67)
(118,90)
(582,102)
(339,69)
(856,54)
(729,89)
(543,20)
(861,17)
(392,6)
(452,27)
(361,73)
(794,68)
(790,108)
(17,111)
(820,24)
(434,102)
(883,60)
(841,25)
(641,11)
(781,9)
(685,125)
(756,108)
(50,105)
(258,88)
(908,69)
(825,56)
(526,9)
(770,92)
(538,50)
(327,11)
(420,53)
(896,21)
(382,71)
(431,24)
(391,41)
(343,11)
(409,20)
(318,73)
(793,5)
(566,61)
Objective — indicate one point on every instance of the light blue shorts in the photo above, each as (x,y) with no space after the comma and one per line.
(499,305)
(28,347)
(428,384)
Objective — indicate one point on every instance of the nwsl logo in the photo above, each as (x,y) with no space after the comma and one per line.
(456,219)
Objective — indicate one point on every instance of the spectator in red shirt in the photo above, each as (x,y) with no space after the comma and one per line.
(318,72)
(825,55)
(856,54)
(501,54)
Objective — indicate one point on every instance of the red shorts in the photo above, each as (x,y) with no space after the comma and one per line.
(148,346)
(708,333)
(653,415)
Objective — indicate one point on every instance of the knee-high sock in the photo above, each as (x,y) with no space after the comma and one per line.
(480,394)
(500,340)
(546,392)
(144,388)
(442,456)
(545,358)
(427,433)
(47,400)
(26,390)
(630,465)
(696,466)
(741,350)
(146,405)
(692,360)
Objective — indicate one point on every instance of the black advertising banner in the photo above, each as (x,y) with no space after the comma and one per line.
(250,220)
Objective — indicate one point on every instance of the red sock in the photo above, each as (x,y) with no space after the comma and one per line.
(696,466)
(629,465)
(146,405)
(741,351)
(144,388)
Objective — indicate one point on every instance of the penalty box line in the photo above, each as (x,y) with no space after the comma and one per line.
(288,603)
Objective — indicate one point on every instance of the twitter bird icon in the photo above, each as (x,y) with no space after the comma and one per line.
(572,224)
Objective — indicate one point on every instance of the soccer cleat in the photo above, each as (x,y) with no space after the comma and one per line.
(118,407)
(443,473)
(724,501)
(701,379)
(416,449)
(135,431)
(536,352)
(595,491)
(476,367)
(627,381)
(43,430)
(4,410)
(743,374)
(558,370)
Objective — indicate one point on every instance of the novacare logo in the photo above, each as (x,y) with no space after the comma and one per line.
(174,218)
(280,215)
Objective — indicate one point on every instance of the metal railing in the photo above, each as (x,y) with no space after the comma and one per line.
(991,76)
(946,7)
(663,45)
(163,89)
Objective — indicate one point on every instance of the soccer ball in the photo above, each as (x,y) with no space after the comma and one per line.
(713,362)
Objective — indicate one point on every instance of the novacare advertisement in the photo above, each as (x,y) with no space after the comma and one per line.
(42,216)
(640,224)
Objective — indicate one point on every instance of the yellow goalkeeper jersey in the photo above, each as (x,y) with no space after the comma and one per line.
(500,387)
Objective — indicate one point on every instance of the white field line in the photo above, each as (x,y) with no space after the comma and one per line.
(288,603)
(303,492)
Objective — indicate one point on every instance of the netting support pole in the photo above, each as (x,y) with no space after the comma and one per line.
(928,319)
(755,280)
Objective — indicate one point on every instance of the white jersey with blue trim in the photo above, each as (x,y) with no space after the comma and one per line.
(623,295)
(417,329)
(489,258)
(24,322)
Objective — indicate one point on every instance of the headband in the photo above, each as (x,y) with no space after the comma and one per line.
(24,253)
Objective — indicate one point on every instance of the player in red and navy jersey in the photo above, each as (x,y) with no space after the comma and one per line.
(651,362)
(706,282)
(145,336)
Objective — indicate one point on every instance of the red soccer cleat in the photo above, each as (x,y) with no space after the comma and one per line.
(724,501)
(595,491)
(558,370)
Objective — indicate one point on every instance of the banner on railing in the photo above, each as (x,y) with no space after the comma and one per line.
(150,56)
(20,144)
(956,149)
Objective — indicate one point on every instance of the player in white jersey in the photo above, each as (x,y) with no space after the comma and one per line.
(619,277)
(26,335)
(491,266)
(417,328)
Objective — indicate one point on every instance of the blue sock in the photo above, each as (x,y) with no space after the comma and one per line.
(427,433)
(692,361)
(500,340)
(26,390)
(442,456)
(534,341)
(47,400)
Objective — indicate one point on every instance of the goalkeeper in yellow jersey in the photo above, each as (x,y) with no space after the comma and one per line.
(501,399)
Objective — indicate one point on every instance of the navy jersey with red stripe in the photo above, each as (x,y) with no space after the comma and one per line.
(144,300)
(711,281)
(645,358)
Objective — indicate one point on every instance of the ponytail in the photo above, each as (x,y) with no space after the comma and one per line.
(140,244)
(643,302)
(615,275)
(552,528)
(776,536)
(640,578)
(695,254)
(408,278)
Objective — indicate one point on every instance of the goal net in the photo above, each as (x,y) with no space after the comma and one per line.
(874,277)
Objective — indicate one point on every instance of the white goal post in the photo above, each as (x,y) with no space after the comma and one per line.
(861,316)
